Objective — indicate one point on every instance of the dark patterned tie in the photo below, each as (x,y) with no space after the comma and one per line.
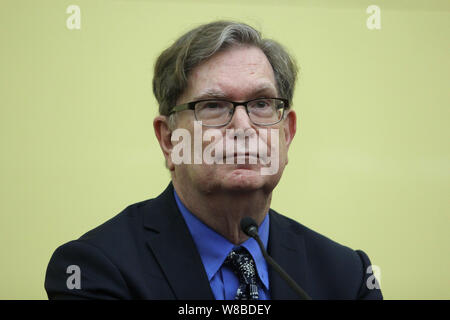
(242,264)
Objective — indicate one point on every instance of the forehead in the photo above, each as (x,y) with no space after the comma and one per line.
(236,73)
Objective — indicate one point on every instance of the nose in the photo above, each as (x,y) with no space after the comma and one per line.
(240,119)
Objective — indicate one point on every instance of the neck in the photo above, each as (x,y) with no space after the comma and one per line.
(223,211)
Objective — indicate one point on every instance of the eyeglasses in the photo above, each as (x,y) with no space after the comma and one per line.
(218,113)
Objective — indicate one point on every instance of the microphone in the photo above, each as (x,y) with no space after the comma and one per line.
(250,228)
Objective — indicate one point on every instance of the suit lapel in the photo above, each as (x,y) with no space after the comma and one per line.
(287,248)
(169,239)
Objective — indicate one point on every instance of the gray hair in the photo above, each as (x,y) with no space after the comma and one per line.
(174,64)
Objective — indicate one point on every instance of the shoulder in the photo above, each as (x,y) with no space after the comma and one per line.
(113,258)
(98,257)
(313,240)
(340,270)
(117,230)
(117,238)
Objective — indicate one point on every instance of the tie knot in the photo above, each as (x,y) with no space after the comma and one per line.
(243,265)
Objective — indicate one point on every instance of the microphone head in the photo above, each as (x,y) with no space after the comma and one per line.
(249,226)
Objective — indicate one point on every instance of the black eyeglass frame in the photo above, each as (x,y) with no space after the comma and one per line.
(191,106)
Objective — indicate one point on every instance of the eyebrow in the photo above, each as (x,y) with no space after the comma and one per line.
(210,93)
(219,94)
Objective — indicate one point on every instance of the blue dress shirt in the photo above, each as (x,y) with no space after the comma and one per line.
(214,248)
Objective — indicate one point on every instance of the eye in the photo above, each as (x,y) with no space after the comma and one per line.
(262,104)
(212,105)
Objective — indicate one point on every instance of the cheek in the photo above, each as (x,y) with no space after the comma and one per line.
(274,139)
(195,174)
(203,173)
(282,146)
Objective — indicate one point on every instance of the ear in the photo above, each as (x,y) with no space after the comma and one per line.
(290,127)
(164,135)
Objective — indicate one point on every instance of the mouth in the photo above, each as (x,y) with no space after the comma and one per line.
(243,155)
(242,159)
(247,154)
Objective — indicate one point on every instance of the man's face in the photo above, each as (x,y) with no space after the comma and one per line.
(236,74)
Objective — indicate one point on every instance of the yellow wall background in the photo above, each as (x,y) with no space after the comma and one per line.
(368,168)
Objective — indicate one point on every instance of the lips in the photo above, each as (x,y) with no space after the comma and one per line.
(247,154)
(242,155)
(238,158)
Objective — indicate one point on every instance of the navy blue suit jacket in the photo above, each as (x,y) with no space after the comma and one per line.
(147,252)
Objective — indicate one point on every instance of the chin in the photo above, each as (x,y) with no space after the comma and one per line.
(244,179)
(232,178)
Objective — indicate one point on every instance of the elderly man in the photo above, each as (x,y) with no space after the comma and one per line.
(225,127)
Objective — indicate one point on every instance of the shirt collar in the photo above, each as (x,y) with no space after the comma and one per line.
(214,248)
